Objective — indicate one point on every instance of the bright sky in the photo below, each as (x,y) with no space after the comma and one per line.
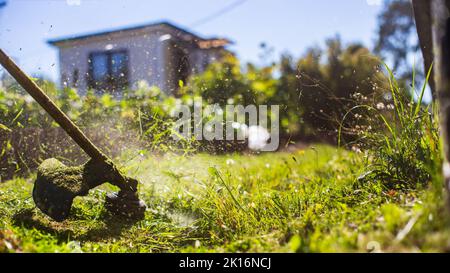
(285,25)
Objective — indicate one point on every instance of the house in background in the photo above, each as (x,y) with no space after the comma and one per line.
(161,54)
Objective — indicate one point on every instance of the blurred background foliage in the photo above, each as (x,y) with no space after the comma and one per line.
(314,92)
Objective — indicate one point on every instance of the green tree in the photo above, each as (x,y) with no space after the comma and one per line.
(221,82)
(350,76)
(397,35)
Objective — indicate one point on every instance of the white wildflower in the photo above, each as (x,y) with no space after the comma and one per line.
(381,106)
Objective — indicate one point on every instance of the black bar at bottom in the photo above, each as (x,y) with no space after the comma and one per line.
(227,262)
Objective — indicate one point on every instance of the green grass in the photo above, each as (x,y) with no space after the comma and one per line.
(308,201)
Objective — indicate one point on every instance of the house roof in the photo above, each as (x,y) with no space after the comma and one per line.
(202,42)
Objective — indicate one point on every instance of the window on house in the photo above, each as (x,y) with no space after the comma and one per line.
(108,70)
(119,67)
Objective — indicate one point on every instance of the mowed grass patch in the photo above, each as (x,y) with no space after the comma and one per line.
(307,201)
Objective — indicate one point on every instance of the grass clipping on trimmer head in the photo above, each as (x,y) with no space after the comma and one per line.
(57,185)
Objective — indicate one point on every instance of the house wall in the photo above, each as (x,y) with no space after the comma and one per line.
(147,57)
(144,59)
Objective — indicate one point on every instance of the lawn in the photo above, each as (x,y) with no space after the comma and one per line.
(307,201)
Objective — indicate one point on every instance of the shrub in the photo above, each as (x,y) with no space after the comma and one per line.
(401,139)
